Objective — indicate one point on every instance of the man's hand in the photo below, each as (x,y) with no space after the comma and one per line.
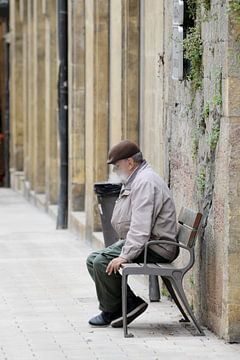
(115,265)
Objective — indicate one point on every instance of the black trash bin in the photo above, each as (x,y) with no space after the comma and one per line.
(107,194)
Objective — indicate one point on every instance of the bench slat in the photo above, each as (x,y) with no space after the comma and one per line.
(131,265)
(189,217)
(186,235)
(151,265)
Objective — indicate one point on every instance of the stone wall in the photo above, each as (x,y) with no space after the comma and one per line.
(201,154)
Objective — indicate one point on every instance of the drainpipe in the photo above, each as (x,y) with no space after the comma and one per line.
(4,14)
(62,217)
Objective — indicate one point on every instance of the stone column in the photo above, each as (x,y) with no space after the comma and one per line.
(24,10)
(97,48)
(30,122)
(16,84)
(130,68)
(38,98)
(152,84)
(115,73)
(76,88)
(51,107)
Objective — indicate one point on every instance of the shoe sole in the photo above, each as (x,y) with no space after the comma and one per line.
(130,316)
(99,326)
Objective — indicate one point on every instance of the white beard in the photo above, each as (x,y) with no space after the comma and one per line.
(123,178)
(114,178)
(118,177)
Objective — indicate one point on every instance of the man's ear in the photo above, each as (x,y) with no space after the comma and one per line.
(131,163)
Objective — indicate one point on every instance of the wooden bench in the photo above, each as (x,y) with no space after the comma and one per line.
(171,273)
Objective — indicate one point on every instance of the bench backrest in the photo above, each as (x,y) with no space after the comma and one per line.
(188,224)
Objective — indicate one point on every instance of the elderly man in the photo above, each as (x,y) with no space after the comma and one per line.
(143,211)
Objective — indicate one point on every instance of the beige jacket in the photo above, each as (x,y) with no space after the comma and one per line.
(145,211)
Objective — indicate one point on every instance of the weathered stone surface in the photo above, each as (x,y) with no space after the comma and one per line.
(115,74)
(97,70)
(130,69)
(152,135)
(51,105)
(39,86)
(16,88)
(76,111)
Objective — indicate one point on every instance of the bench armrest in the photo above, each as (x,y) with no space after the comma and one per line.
(159,242)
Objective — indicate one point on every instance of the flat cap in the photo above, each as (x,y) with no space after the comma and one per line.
(123,150)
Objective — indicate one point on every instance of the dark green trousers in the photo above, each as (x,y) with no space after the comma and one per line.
(109,287)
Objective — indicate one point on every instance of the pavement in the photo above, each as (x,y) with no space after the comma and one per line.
(47,297)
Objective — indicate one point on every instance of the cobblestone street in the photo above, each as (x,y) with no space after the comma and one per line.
(47,298)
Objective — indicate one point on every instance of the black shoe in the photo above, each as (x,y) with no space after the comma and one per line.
(104,318)
(135,307)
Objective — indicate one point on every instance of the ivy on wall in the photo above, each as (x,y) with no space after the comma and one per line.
(193,51)
(210,111)
(234,16)
(205,112)
(234,10)
(196,11)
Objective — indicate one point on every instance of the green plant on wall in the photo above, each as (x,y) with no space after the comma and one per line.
(211,109)
(195,145)
(203,118)
(217,100)
(234,16)
(192,44)
(214,135)
(201,181)
(234,10)
(216,105)
(193,51)
(207,4)
(217,97)
(205,114)
(194,7)
(206,111)
(199,129)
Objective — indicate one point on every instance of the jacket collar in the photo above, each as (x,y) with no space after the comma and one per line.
(132,177)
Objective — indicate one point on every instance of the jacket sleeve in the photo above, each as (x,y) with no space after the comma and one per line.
(142,220)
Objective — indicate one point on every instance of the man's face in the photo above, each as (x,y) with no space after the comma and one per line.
(123,168)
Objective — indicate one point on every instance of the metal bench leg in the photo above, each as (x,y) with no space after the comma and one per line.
(175,299)
(180,291)
(124,305)
(154,293)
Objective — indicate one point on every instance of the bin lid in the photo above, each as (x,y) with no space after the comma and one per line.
(107,189)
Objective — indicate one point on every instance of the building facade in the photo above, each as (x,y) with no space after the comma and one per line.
(119,85)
